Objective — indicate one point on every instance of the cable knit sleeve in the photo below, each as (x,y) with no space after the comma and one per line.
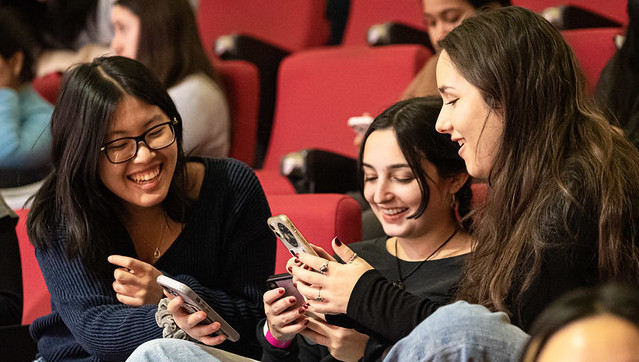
(86,303)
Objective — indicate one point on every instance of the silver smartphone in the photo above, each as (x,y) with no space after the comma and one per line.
(193,303)
(288,234)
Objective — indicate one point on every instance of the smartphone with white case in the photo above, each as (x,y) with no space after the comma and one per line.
(288,234)
(193,303)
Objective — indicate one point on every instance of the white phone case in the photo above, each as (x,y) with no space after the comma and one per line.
(193,303)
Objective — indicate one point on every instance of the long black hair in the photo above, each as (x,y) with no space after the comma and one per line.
(413,121)
(73,203)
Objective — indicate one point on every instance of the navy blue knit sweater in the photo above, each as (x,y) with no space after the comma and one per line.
(224,253)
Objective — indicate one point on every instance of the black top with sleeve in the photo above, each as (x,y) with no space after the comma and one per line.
(224,253)
(435,279)
(568,262)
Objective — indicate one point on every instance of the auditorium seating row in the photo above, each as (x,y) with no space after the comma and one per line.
(245,30)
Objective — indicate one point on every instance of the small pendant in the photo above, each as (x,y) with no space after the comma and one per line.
(399,284)
(156,253)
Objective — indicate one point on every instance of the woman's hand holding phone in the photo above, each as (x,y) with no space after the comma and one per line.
(330,291)
(283,321)
(190,322)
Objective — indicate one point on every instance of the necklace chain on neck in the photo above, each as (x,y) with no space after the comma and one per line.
(157,253)
(400,282)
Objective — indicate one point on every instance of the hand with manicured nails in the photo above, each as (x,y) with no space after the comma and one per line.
(343,344)
(283,323)
(190,322)
(135,281)
(335,285)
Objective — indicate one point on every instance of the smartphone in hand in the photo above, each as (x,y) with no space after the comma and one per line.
(193,303)
(288,234)
(285,280)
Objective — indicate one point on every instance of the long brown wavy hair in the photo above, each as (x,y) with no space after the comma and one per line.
(561,167)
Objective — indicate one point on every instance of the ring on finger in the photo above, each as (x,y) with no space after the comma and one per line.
(319,295)
(323,268)
(352,259)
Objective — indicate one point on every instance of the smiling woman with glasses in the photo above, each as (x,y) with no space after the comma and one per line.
(123,205)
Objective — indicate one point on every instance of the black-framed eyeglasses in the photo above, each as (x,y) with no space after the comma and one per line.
(125,148)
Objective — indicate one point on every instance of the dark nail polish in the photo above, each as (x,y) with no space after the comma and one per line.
(295,284)
(290,269)
(301,310)
(291,300)
(281,291)
(297,261)
(307,267)
(297,255)
(337,241)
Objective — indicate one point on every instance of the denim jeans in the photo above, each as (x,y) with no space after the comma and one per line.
(169,349)
(461,332)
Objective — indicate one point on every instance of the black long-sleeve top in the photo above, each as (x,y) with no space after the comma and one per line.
(568,262)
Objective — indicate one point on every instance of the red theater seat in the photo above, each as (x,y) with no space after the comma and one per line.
(242,87)
(288,24)
(37,301)
(612,9)
(48,86)
(319,89)
(593,48)
(365,13)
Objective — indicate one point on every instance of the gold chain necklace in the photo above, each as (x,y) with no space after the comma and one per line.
(157,253)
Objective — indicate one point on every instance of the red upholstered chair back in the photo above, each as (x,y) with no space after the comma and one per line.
(319,217)
(593,48)
(289,24)
(48,86)
(365,13)
(320,89)
(537,5)
(612,9)
(37,301)
(242,87)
